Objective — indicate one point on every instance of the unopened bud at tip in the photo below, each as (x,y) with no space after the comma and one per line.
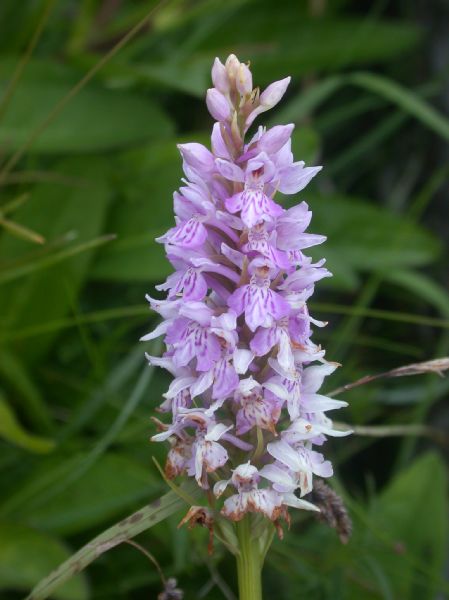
(244,80)
(218,105)
(220,77)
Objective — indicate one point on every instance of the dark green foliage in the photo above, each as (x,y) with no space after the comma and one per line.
(97,182)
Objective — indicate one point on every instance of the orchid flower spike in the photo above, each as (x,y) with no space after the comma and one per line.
(244,402)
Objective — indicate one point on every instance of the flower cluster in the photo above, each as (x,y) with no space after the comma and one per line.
(244,400)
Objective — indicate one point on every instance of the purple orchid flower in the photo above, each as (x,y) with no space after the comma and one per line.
(236,324)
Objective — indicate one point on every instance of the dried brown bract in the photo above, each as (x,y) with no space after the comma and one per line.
(333,511)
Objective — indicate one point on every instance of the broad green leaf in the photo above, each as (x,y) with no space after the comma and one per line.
(327,45)
(397,549)
(305,144)
(96,119)
(134,258)
(365,237)
(12,431)
(143,212)
(296,43)
(27,555)
(78,211)
(143,519)
(412,513)
(89,471)
(97,496)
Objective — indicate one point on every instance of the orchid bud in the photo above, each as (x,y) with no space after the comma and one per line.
(268,99)
(218,105)
(232,65)
(273,93)
(244,80)
(220,77)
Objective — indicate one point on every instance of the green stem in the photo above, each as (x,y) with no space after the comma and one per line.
(249,562)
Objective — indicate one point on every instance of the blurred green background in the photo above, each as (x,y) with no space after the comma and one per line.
(85,189)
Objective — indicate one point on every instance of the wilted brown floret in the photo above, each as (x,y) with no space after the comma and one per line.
(202,516)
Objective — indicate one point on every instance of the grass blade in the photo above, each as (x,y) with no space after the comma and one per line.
(12,273)
(438,366)
(6,98)
(308,100)
(405,99)
(125,530)
(21,232)
(139,310)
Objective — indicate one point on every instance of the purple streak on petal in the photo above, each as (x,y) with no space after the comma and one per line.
(190,234)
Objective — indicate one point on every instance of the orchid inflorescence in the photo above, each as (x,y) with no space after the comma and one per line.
(244,400)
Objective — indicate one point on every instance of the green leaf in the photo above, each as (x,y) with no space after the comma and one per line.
(354,242)
(27,555)
(134,258)
(21,386)
(291,42)
(308,100)
(421,285)
(148,178)
(405,99)
(78,211)
(67,502)
(20,231)
(12,431)
(96,119)
(278,43)
(412,512)
(38,264)
(95,497)
(37,69)
(144,519)
(305,144)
